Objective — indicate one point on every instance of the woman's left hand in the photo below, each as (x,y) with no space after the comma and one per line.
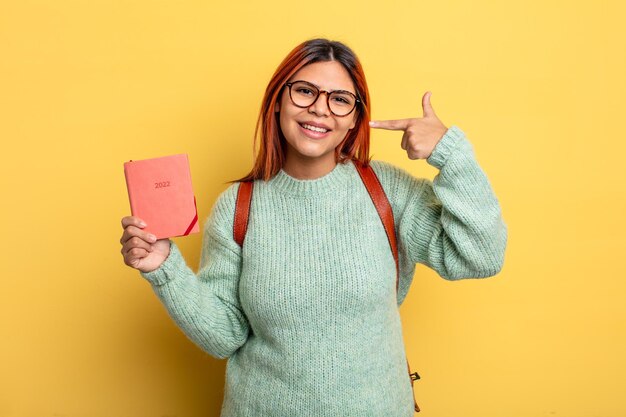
(421,135)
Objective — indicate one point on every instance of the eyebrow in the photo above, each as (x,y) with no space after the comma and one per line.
(318,87)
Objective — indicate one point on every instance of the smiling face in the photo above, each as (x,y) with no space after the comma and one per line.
(313,133)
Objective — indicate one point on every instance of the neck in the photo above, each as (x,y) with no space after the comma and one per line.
(309,169)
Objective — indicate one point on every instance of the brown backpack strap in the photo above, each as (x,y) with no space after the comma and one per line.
(242,211)
(381,202)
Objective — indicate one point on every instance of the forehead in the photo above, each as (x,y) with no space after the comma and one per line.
(330,75)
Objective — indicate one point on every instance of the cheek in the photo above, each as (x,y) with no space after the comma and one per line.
(349,124)
(354,120)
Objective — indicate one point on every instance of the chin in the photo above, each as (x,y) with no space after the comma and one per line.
(311,155)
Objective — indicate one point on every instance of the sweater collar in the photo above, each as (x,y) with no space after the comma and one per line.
(325,184)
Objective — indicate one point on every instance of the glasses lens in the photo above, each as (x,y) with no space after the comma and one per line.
(303,94)
(341,103)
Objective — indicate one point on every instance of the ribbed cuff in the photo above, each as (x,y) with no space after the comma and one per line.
(167,271)
(445,147)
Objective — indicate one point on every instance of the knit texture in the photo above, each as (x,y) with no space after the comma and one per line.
(307,311)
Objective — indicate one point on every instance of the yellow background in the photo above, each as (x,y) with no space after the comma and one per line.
(538,87)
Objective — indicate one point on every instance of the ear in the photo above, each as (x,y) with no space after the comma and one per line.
(278,101)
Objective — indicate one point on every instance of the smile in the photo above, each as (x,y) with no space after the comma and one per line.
(314,128)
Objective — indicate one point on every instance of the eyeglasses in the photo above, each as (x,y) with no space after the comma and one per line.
(303,94)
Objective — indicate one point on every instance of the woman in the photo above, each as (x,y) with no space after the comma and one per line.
(306,311)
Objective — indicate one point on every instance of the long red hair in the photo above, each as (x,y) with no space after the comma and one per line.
(271,153)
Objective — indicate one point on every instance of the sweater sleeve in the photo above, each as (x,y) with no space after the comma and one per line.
(452,224)
(206,306)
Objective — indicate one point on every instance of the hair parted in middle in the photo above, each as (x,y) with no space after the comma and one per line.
(271,153)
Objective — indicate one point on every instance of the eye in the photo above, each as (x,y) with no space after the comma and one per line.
(342,99)
(304,91)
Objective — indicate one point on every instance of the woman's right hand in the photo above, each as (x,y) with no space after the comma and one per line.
(141,250)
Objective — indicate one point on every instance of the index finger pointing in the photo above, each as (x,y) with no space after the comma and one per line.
(399,124)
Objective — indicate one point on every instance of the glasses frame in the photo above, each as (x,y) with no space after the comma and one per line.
(319,93)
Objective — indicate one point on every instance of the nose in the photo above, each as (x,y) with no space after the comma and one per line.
(320,106)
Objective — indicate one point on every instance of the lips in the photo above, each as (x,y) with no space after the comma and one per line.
(313,131)
(315,127)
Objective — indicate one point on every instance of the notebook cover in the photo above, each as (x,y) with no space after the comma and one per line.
(161,194)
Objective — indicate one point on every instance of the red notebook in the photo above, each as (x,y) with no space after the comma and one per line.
(161,194)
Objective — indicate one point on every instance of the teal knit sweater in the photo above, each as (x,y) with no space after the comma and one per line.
(307,312)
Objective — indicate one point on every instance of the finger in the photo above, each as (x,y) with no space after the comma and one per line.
(133,220)
(405,140)
(136,242)
(399,124)
(132,231)
(426,106)
(133,256)
(132,251)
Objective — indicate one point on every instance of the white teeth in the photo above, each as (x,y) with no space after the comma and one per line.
(315,128)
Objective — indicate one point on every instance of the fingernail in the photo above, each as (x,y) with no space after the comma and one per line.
(152,238)
(372,123)
(142,224)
